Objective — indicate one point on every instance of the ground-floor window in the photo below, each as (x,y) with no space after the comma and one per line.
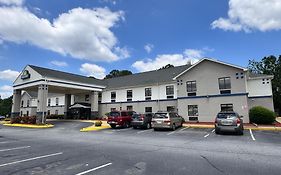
(226,107)
(27,113)
(148,109)
(171,108)
(57,112)
(112,109)
(192,110)
(48,112)
(20,113)
(129,108)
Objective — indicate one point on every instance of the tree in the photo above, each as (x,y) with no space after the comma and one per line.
(116,73)
(6,106)
(167,66)
(270,65)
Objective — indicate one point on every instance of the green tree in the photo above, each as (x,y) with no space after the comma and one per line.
(270,65)
(118,73)
(6,106)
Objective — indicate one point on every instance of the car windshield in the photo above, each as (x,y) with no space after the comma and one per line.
(226,115)
(136,116)
(160,115)
(114,114)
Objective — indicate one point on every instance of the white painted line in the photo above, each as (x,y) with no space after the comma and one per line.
(206,135)
(30,159)
(7,142)
(213,130)
(148,130)
(94,169)
(170,133)
(9,149)
(252,135)
(182,129)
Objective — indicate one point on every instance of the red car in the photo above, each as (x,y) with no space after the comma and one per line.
(120,118)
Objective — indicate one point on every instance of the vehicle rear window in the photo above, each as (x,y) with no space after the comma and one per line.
(226,115)
(160,115)
(136,116)
(124,114)
(114,114)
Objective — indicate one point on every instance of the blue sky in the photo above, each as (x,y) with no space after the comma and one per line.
(92,37)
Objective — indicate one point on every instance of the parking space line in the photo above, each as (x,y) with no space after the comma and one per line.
(94,169)
(9,149)
(30,159)
(170,133)
(7,142)
(213,130)
(252,135)
(206,135)
(148,130)
(182,129)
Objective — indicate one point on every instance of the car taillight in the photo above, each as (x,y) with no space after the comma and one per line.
(142,118)
(167,121)
(238,121)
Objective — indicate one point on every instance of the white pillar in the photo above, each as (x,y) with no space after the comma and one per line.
(42,104)
(16,103)
(67,102)
(94,97)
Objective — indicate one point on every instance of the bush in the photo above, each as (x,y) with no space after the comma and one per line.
(98,123)
(16,119)
(24,120)
(261,115)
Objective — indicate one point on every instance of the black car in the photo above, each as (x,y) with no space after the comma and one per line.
(142,120)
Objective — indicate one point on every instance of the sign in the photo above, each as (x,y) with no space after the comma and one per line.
(25,75)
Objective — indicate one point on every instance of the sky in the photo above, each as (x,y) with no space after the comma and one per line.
(93,37)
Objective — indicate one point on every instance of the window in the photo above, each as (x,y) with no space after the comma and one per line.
(49,102)
(57,101)
(27,113)
(27,103)
(113,96)
(225,85)
(129,108)
(191,88)
(99,97)
(148,109)
(170,91)
(22,102)
(112,109)
(87,97)
(226,107)
(57,112)
(171,108)
(20,113)
(129,95)
(193,110)
(147,93)
(48,112)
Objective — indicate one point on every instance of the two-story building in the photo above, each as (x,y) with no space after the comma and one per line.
(197,92)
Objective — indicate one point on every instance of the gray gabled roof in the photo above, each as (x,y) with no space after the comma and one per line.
(256,75)
(50,73)
(146,78)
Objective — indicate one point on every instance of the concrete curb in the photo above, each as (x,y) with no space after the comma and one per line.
(30,126)
(95,128)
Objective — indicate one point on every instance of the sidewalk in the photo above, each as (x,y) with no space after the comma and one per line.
(210,125)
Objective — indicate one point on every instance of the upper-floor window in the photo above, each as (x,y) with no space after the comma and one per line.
(191,88)
(27,103)
(22,102)
(113,96)
(87,97)
(99,97)
(57,101)
(147,93)
(225,85)
(170,91)
(49,102)
(129,95)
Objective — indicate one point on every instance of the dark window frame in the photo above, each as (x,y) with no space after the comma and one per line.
(191,86)
(147,93)
(192,110)
(129,95)
(57,101)
(224,85)
(227,105)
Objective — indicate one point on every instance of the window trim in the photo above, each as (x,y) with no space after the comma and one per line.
(191,89)
(224,85)
(193,114)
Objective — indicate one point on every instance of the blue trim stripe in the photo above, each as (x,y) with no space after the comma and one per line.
(269,96)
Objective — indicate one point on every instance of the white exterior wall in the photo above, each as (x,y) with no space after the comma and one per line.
(256,87)
(53,100)
(157,92)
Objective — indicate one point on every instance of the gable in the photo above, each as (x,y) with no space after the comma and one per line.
(27,75)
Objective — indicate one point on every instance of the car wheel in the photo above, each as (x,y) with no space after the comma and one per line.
(135,127)
(155,129)
(217,131)
(148,126)
(240,132)
(113,126)
(174,127)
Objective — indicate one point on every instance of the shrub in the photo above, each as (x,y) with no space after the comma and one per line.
(98,123)
(16,119)
(24,120)
(261,115)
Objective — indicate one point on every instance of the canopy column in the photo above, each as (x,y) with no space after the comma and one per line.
(94,104)
(42,104)
(67,102)
(16,103)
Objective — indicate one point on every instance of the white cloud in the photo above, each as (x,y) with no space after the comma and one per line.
(251,15)
(59,63)
(93,70)
(6,91)
(189,56)
(9,74)
(82,33)
(148,47)
(12,2)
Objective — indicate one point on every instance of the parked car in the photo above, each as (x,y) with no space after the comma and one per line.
(166,120)
(120,118)
(2,117)
(142,120)
(229,121)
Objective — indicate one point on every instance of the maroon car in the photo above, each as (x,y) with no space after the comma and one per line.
(120,118)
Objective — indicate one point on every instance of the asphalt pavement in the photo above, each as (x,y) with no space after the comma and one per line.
(66,151)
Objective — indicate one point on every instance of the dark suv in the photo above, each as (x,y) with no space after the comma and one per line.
(142,120)
(120,118)
(229,121)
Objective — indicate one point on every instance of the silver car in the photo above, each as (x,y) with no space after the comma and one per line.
(166,120)
(229,121)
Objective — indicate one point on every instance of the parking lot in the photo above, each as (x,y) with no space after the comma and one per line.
(65,150)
